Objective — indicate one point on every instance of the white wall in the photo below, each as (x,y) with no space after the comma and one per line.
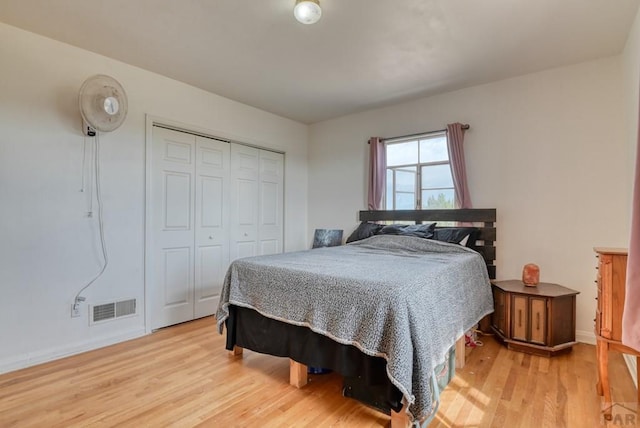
(48,247)
(631,68)
(548,150)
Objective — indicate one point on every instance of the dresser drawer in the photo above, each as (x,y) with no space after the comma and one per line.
(611,281)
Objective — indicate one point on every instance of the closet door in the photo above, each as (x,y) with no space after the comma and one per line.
(212,223)
(172,217)
(271,202)
(245,204)
(190,225)
(211,202)
(257,182)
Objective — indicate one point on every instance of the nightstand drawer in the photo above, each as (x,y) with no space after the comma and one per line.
(538,321)
(519,319)
(529,320)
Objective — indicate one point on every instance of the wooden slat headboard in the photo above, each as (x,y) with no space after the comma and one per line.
(482,218)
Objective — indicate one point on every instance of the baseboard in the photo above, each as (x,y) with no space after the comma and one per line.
(39,357)
(632,366)
(588,337)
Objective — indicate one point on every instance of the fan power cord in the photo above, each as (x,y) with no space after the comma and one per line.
(96,164)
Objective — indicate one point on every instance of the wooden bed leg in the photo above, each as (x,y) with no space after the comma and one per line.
(400,419)
(460,353)
(236,351)
(297,374)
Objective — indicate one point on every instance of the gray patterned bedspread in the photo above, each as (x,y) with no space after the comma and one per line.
(402,298)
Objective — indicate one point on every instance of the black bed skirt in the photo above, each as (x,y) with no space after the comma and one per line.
(365,377)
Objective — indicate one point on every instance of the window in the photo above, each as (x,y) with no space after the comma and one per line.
(419,173)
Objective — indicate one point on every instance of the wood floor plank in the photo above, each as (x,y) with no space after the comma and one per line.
(182,377)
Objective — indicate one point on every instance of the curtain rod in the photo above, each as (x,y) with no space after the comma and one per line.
(464,127)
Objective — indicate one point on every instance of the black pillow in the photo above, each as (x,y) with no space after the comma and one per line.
(364,230)
(455,235)
(418,230)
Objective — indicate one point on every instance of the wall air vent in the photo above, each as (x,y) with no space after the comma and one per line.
(112,310)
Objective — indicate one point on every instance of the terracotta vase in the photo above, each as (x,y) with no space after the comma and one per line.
(531,275)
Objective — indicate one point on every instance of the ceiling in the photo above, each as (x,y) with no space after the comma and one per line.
(361,55)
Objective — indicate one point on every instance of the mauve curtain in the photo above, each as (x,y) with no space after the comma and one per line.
(377,172)
(631,314)
(455,140)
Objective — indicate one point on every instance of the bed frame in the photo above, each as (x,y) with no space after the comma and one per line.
(484,219)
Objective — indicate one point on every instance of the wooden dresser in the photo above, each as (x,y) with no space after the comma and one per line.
(538,320)
(611,281)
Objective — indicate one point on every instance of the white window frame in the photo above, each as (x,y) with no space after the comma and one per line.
(418,166)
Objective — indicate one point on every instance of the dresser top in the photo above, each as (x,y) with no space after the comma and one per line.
(610,250)
(542,289)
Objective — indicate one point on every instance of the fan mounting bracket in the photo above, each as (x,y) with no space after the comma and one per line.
(88,130)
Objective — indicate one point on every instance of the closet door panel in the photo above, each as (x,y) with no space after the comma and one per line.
(212,222)
(177,273)
(172,227)
(211,202)
(210,267)
(177,200)
(245,203)
(271,202)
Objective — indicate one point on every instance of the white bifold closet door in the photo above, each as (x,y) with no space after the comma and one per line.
(211,202)
(190,217)
(257,183)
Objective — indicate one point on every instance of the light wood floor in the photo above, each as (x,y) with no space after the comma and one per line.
(181,377)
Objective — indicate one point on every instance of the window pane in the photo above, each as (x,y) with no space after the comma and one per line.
(405,181)
(411,169)
(389,190)
(436,176)
(437,198)
(434,149)
(402,153)
(405,201)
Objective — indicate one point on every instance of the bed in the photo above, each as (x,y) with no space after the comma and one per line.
(389,327)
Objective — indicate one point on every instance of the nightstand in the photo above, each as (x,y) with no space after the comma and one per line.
(537,320)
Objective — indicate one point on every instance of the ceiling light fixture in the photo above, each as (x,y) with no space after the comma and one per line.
(307,11)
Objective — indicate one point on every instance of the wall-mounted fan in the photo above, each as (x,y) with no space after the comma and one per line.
(103,104)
